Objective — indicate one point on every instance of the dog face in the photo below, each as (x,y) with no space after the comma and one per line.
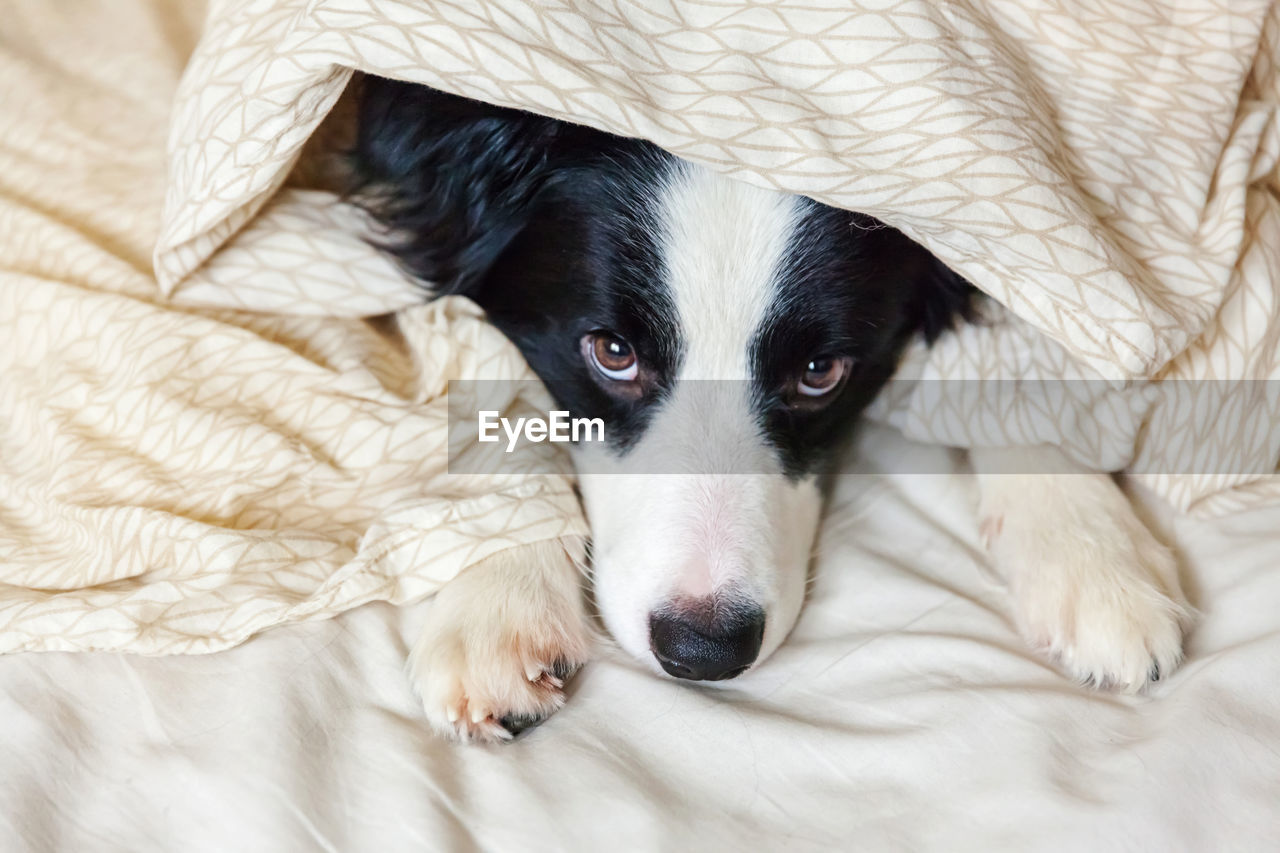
(727,335)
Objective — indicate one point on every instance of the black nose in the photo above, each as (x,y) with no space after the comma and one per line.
(706,642)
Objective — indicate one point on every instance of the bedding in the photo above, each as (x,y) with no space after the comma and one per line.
(216,427)
(1106,170)
(209,427)
(175,480)
(904,713)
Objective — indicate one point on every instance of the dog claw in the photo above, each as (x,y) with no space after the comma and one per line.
(517,725)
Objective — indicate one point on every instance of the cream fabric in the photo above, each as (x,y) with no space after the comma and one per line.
(177,475)
(904,714)
(1107,170)
(175,480)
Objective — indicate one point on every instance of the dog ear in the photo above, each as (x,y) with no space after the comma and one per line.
(938,297)
(944,298)
(451,181)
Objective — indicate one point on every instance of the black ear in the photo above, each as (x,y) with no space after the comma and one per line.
(451,180)
(938,297)
(944,299)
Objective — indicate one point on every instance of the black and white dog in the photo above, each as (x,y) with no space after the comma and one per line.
(622,273)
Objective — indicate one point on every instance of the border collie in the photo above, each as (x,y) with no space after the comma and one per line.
(623,273)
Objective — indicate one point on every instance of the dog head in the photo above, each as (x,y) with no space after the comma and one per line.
(727,335)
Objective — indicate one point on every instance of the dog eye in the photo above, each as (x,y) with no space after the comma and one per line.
(611,355)
(822,375)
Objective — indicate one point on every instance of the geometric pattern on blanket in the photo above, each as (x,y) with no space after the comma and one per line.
(1106,171)
(178,473)
(175,479)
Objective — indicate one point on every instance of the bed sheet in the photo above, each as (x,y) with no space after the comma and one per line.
(903,714)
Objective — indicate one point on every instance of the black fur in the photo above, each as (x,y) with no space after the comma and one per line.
(859,288)
(552,229)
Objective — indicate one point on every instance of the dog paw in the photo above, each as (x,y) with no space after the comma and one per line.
(1093,588)
(500,641)
(1112,628)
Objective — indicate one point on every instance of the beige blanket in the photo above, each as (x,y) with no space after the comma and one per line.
(175,480)
(1107,171)
(177,475)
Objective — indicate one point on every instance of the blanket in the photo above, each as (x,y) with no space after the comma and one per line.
(1107,171)
(211,425)
(176,480)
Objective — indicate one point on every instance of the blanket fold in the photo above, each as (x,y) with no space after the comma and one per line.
(177,479)
(1106,172)
(233,434)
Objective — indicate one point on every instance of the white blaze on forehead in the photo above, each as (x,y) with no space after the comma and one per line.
(723,245)
(704,508)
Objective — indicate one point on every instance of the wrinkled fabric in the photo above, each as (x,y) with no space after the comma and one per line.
(1105,170)
(904,713)
(173,479)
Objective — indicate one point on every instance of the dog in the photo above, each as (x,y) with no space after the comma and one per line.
(626,276)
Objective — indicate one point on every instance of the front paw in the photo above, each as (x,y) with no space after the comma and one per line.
(1092,587)
(1111,627)
(500,641)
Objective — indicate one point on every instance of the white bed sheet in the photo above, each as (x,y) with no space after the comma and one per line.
(903,714)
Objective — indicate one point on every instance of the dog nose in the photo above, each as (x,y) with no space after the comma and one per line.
(705,642)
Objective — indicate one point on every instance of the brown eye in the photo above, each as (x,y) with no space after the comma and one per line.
(822,375)
(611,356)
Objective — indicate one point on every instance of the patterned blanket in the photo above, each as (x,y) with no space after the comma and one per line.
(203,436)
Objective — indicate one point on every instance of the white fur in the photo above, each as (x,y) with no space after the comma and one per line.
(728,524)
(1091,585)
(724,241)
(493,638)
